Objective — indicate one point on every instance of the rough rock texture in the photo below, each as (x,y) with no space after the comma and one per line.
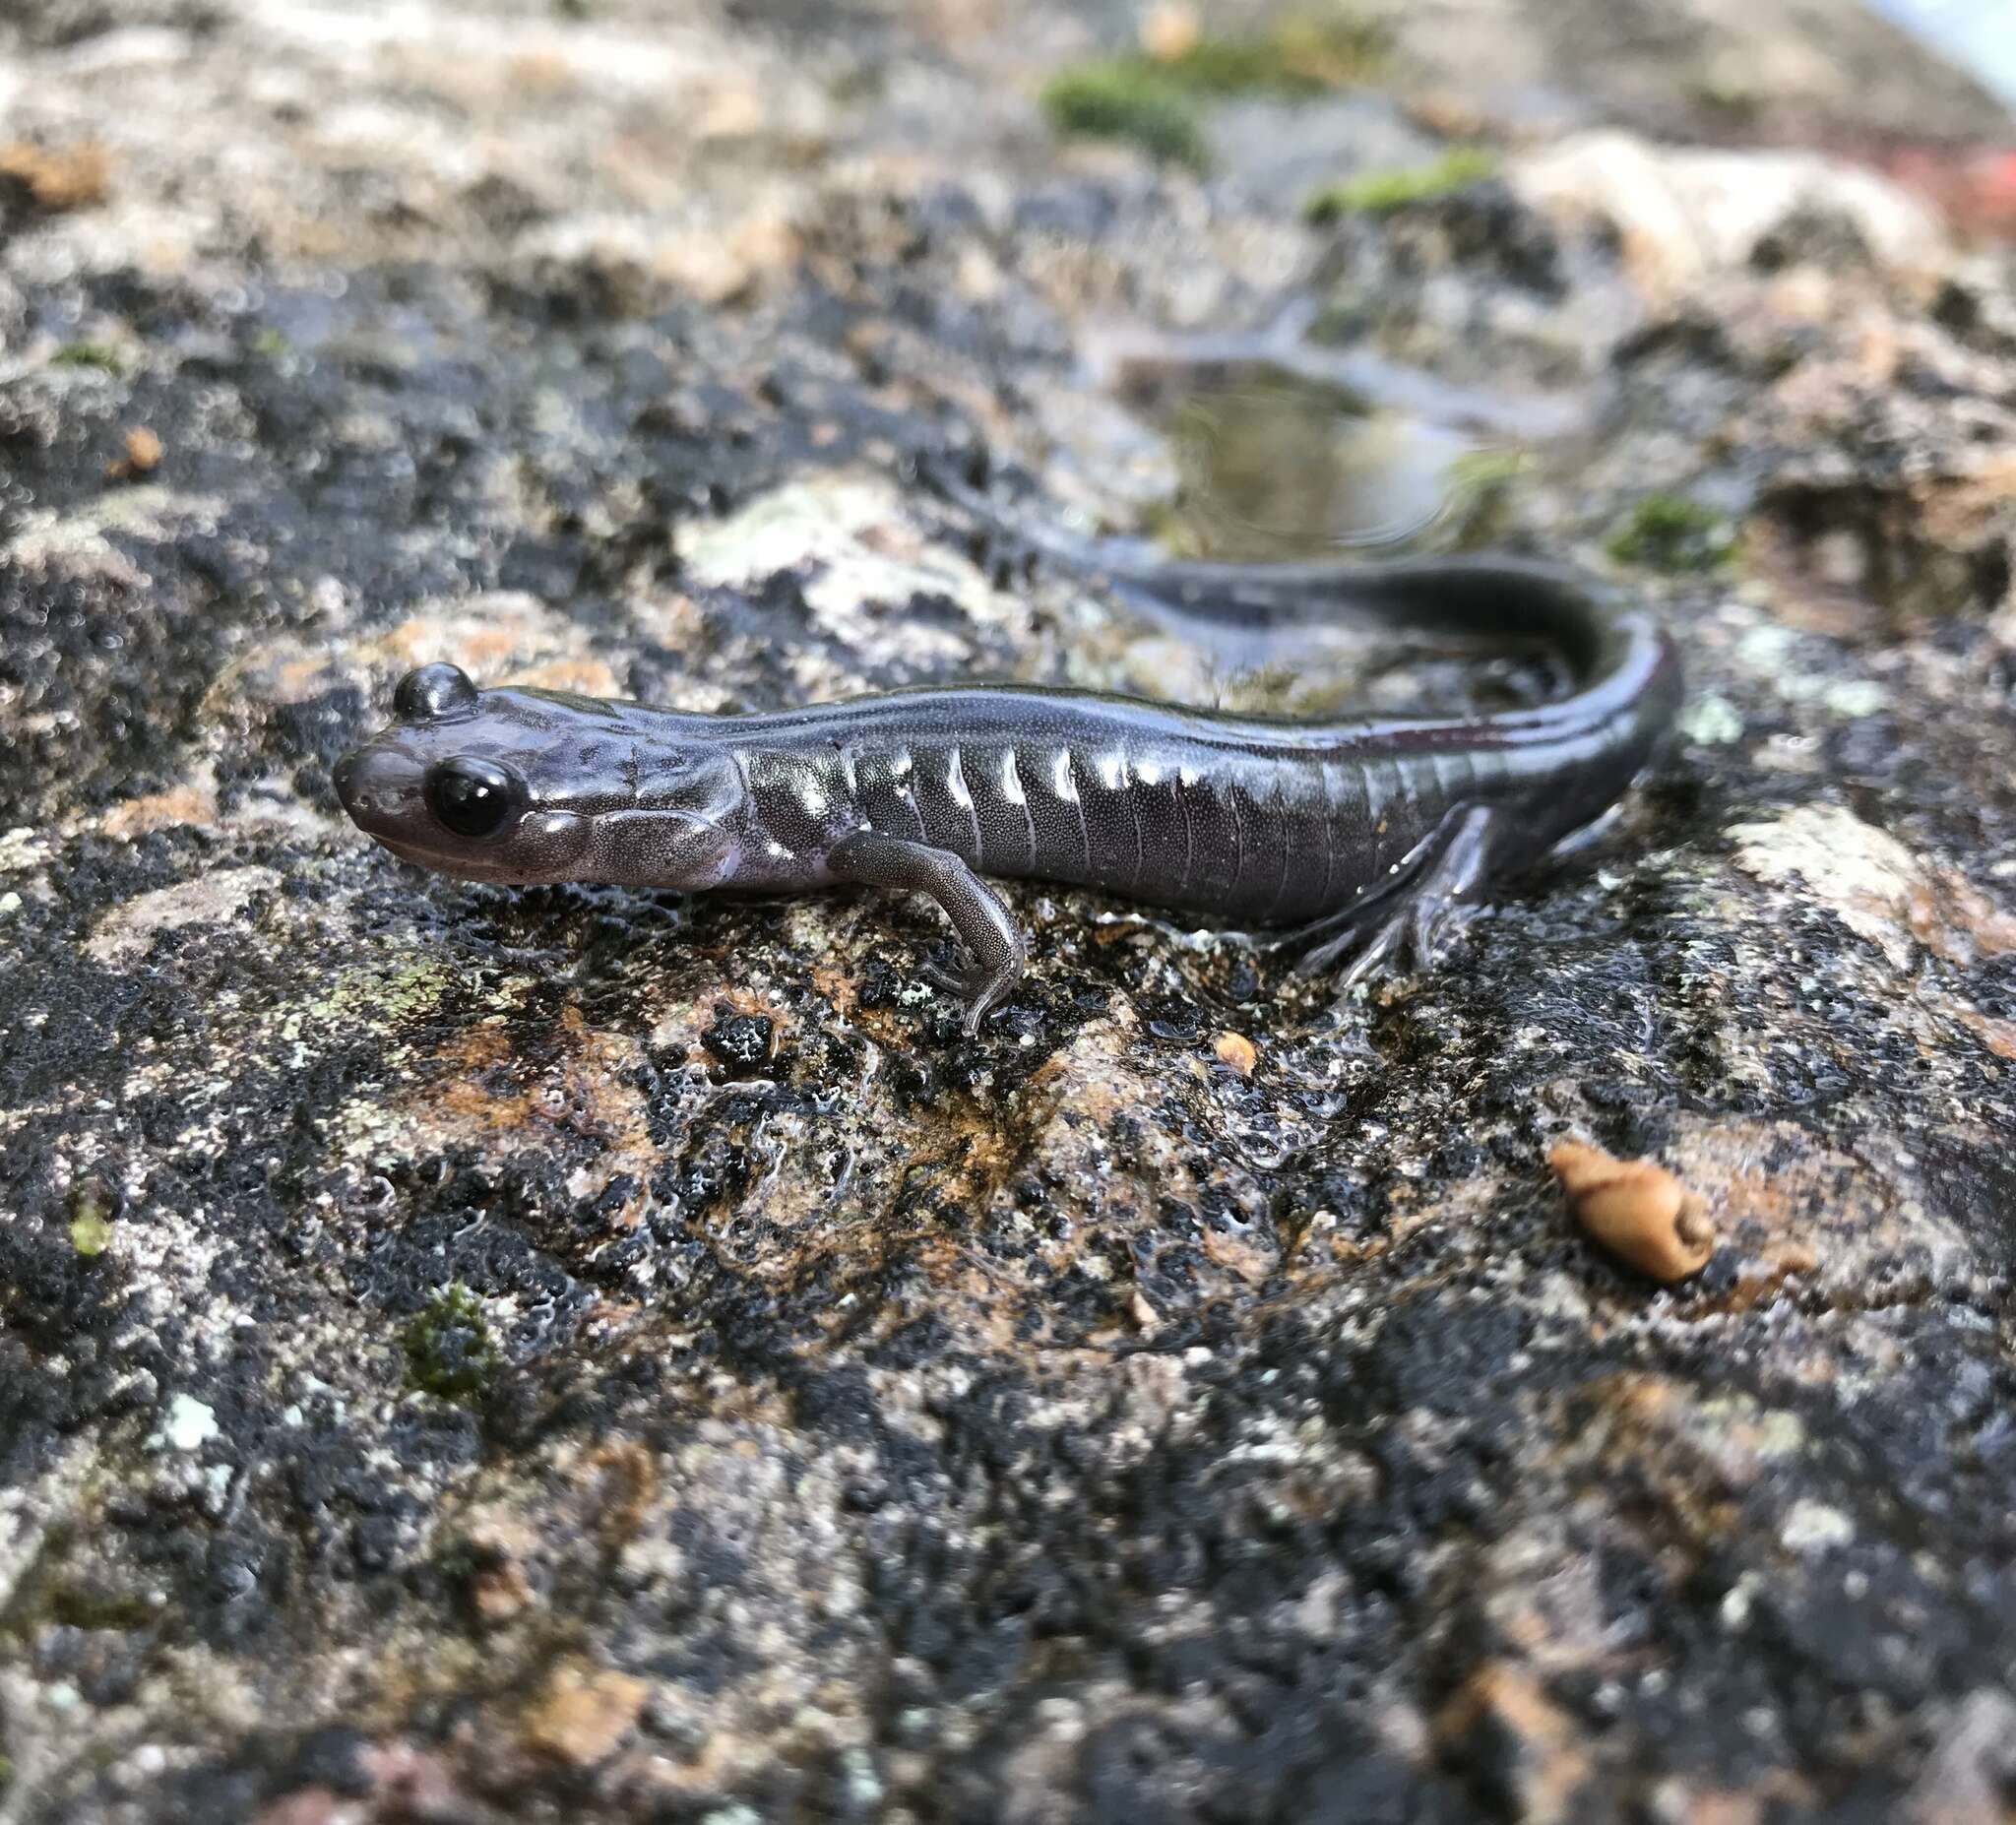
(474,1354)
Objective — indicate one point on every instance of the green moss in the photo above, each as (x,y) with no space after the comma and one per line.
(457,1562)
(1299,57)
(89,354)
(1127,100)
(1738,103)
(1482,469)
(1379,193)
(383,994)
(91,1220)
(1672,534)
(1342,322)
(1484,492)
(270,343)
(118,1610)
(448,1348)
(1158,103)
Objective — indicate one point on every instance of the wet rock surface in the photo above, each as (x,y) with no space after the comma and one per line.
(478,1354)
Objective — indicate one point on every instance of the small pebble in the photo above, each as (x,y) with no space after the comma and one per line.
(1636,1210)
(583,1713)
(1236,1050)
(144,452)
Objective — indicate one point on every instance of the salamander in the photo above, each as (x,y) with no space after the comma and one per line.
(1369,835)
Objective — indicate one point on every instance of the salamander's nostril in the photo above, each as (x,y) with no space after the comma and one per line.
(372,780)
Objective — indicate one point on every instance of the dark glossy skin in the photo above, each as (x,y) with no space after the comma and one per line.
(1370,833)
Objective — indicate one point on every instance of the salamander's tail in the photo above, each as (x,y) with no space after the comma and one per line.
(1621,665)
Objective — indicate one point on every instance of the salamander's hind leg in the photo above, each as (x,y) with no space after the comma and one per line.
(1408,927)
(984,925)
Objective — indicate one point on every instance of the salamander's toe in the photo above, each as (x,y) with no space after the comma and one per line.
(1412,927)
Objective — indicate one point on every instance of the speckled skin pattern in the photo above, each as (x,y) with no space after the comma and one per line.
(1262,822)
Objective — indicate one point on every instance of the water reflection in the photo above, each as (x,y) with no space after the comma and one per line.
(1285,449)
(1273,466)
(1278,450)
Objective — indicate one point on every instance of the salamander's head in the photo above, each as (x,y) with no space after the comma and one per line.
(541,785)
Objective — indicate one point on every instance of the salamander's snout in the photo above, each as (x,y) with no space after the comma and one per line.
(374,782)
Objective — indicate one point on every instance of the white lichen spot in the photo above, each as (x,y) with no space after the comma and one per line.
(124,933)
(1814,1526)
(1712,721)
(864,1784)
(79,538)
(187,1425)
(1771,653)
(1685,216)
(1878,888)
(851,536)
(22,849)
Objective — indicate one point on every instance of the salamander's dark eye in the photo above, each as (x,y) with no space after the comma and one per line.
(472,797)
(433,692)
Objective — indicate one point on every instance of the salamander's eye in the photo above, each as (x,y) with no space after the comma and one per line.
(433,692)
(472,797)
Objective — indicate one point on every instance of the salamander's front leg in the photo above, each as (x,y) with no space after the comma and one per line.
(985,926)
